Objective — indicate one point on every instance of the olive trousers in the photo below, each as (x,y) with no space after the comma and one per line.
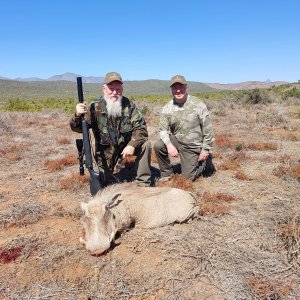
(191,167)
(141,168)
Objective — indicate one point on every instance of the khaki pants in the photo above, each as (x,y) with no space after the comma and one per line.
(190,166)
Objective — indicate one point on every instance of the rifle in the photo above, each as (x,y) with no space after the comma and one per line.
(84,149)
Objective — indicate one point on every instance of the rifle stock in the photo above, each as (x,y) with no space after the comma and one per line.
(95,178)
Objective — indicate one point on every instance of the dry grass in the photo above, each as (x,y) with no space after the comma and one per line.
(22,214)
(8,149)
(5,126)
(214,203)
(224,141)
(12,152)
(13,156)
(217,154)
(63,141)
(74,182)
(266,289)
(240,175)
(292,171)
(213,208)
(67,212)
(220,197)
(52,151)
(60,163)
(284,134)
(178,181)
(238,155)
(289,232)
(262,146)
(231,165)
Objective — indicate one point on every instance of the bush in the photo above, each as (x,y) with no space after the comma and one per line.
(17,104)
(257,96)
(294,92)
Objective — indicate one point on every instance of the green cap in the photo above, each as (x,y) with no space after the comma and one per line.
(112,76)
(178,79)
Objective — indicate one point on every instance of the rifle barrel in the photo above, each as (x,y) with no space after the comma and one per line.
(79,89)
(95,184)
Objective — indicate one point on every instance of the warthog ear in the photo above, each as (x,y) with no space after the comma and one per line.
(113,202)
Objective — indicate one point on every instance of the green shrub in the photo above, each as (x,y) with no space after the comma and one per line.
(294,92)
(238,147)
(257,96)
(17,104)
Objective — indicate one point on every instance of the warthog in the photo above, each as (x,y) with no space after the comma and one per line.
(121,206)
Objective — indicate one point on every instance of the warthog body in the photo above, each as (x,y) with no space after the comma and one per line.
(120,206)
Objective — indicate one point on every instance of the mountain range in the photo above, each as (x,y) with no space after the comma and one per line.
(92,79)
(66,77)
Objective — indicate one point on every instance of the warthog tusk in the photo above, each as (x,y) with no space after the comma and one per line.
(82,241)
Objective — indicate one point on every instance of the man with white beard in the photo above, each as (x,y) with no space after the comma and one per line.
(119,129)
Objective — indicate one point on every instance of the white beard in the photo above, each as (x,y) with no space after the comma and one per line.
(114,108)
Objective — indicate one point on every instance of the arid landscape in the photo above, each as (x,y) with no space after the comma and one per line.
(245,243)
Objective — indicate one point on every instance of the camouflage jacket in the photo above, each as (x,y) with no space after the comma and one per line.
(113,134)
(190,123)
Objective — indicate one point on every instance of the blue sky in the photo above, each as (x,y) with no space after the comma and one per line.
(208,41)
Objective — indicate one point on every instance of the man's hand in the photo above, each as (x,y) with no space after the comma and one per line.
(80,109)
(203,156)
(128,150)
(172,150)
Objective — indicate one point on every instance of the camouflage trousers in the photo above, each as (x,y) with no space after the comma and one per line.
(141,168)
(191,167)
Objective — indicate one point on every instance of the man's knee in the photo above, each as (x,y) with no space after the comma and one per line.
(142,149)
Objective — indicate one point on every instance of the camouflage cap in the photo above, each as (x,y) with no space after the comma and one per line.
(178,79)
(112,76)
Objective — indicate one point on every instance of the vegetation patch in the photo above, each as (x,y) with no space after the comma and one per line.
(63,141)
(214,203)
(12,152)
(178,181)
(292,171)
(265,288)
(238,155)
(74,182)
(257,96)
(59,164)
(240,175)
(17,104)
(262,146)
(289,232)
(21,214)
(232,165)
(224,141)
(212,208)
(65,211)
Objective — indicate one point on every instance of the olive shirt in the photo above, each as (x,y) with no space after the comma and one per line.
(189,122)
(128,129)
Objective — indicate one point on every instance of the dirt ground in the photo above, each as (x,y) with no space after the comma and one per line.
(245,243)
